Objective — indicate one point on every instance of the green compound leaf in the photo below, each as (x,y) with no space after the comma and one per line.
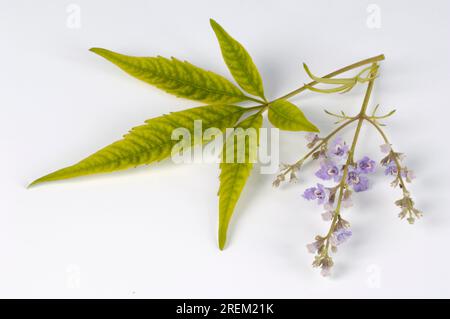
(176,77)
(234,173)
(149,142)
(286,116)
(239,62)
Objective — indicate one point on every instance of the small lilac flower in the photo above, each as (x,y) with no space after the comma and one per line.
(320,154)
(408,174)
(341,235)
(338,147)
(347,202)
(326,264)
(352,177)
(312,247)
(347,199)
(310,193)
(315,245)
(325,271)
(328,215)
(328,170)
(311,137)
(362,186)
(391,169)
(366,165)
(358,182)
(320,193)
(385,148)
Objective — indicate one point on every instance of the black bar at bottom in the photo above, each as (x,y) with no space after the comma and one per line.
(226,308)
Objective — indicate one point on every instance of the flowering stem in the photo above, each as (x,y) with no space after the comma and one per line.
(396,161)
(323,141)
(343,184)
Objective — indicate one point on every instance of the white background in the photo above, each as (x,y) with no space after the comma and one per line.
(151,232)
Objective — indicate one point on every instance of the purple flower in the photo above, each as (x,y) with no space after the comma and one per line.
(328,215)
(366,165)
(320,193)
(325,271)
(362,186)
(359,183)
(311,137)
(408,174)
(338,147)
(326,263)
(316,245)
(391,169)
(328,170)
(347,202)
(341,235)
(312,247)
(347,199)
(385,148)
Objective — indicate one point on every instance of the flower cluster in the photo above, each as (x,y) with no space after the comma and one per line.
(332,166)
(340,233)
(393,167)
(337,167)
(341,174)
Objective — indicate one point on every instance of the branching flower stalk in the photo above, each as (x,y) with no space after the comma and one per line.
(323,259)
(315,153)
(401,174)
(351,174)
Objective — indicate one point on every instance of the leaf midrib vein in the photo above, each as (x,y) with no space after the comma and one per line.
(159,74)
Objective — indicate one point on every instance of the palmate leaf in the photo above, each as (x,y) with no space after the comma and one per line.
(176,77)
(239,62)
(149,142)
(234,174)
(286,116)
